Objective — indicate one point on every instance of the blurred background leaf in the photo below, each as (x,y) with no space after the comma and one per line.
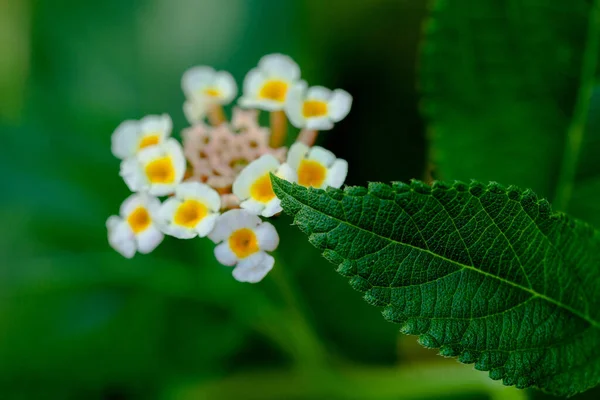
(499,80)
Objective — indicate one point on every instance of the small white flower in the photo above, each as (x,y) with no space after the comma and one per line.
(243,239)
(135,229)
(266,87)
(132,136)
(157,169)
(253,185)
(191,212)
(316,166)
(215,87)
(317,108)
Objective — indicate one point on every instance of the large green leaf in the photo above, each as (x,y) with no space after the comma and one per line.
(485,273)
(503,83)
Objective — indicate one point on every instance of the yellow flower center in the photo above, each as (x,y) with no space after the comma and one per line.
(243,242)
(212,92)
(190,213)
(261,190)
(149,140)
(161,170)
(314,108)
(274,90)
(311,173)
(139,220)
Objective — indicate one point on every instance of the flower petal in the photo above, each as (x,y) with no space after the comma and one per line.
(272,207)
(293,105)
(160,124)
(256,169)
(224,255)
(149,239)
(201,192)
(337,173)
(297,153)
(321,155)
(286,172)
(253,81)
(254,268)
(197,78)
(195,110)
(179,232)
(120,236)
(280,66)
(319,123)
(207,224)
(124,140)
(339,105)
(132,174)
(226,85)
(318,93)
(253,206)
(268,239)
(230,221)
(131,203)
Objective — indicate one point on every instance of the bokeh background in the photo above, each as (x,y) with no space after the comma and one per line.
(78,321)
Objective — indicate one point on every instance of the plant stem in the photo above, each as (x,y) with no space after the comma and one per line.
(278,128)
(566,181)
(303,343)
(216,115)
(308,137)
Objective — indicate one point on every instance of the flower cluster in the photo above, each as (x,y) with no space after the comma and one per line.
(217,185)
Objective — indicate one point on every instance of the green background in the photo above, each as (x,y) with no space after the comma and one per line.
(78,321)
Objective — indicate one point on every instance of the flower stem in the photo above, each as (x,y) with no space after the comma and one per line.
(216,115)
(278,128)
(566,180)
(303,343)
(308,137)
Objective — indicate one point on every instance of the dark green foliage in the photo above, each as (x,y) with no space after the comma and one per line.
(499,79)
(487,274)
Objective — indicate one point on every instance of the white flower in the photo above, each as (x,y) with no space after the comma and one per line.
(243,239)
(253,185)
(215,87)
(191,212)
(132,136)
(135,229)
(316,166)
(317,108)
(266,87)
(157,169)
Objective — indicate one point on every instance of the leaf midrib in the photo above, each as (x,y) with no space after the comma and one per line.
(594,323)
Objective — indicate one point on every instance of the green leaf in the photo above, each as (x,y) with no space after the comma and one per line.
(487,274)
(503,82)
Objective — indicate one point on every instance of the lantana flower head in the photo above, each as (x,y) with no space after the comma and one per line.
(243,240)
(191,212)
(225,165)
(136,228)
(132,136)
(316,167)
(266,87)
(157,169)
(253,185)
(317,108)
